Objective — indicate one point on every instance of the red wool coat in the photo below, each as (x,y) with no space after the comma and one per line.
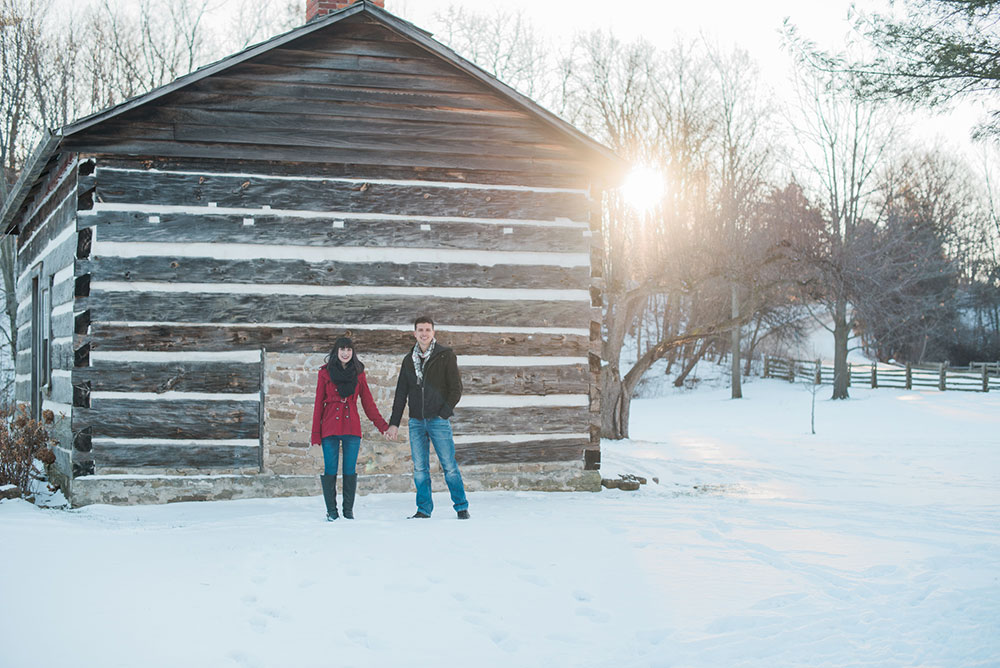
(335,416)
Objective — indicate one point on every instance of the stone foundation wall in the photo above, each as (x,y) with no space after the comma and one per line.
(130,490)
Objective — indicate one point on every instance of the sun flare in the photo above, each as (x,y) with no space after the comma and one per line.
(643,188)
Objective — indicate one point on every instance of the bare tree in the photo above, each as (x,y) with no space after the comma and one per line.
(844,140)
(502,42)
(743,159)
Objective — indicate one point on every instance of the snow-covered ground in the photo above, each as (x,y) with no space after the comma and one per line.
(874,542)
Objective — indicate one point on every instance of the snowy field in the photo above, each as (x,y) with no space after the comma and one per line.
(875,542)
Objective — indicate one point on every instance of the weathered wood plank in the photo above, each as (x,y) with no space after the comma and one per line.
(30,252)
(60,390)
(171,338)
(130,418)
(352,169)
(291,116)
(324,231)
(359,27)
(310,58)
(527,420)
(520,452)
(23,363)
(62,355)
(62,292)
(383,309)
(333,136)
(62,325)
(300,272)
(195,106)
(538,380)
(49,193)
(173,189)
(237,87)
(401,158)
(213,377)
(60,431)
(209,102)
(57,258)
(437,82)
(114,455)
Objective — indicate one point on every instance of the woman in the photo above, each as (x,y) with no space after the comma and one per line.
(336,423)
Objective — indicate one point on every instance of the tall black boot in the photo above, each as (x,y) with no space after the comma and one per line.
(350,488)
(329,483)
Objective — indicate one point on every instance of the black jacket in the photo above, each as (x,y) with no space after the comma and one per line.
(440,392)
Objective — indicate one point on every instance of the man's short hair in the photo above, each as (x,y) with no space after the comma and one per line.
(423,318)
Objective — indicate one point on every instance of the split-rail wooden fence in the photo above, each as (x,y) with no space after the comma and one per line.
(976,377)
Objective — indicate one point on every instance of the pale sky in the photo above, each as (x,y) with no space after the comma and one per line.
(754,25)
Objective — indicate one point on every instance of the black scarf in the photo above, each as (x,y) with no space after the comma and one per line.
(345,377)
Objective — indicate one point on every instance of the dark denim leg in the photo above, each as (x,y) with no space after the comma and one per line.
(444,446)
(331,454)
(352,446)
(421,454)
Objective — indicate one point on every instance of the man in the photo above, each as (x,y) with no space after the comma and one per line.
(429,380)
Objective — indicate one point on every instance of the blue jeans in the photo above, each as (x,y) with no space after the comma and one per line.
(437,431)
(331,453)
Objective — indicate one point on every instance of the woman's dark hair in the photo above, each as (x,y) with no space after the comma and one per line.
(342,342)
(345,377)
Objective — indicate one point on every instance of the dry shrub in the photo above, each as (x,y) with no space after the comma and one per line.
(22,441)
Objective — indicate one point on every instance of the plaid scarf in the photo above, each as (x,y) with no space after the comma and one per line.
(420,357)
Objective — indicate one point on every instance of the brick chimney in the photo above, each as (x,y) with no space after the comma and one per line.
(315,8)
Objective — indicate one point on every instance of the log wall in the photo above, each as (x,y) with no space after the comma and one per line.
(46,250)
(343,183)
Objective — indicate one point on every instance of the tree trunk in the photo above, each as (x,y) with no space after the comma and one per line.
(841,334)
(689,366)
(615,405)
(737,387)
(752,346)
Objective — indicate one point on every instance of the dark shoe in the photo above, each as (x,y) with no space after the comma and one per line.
(350,488)
(329,484)
(418,516)
(463,514)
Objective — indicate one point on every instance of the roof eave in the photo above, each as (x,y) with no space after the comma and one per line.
(43,152)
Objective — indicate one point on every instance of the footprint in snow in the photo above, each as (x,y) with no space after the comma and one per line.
(652,636)
(504,641)
(582,596)
(534,579)
(362,638)
(593,614)
(241,659)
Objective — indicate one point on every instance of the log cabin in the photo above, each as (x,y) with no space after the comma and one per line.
(185,260)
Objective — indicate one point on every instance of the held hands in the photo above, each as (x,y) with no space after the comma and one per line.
(392,432)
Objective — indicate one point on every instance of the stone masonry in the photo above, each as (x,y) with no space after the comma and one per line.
(290,391)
